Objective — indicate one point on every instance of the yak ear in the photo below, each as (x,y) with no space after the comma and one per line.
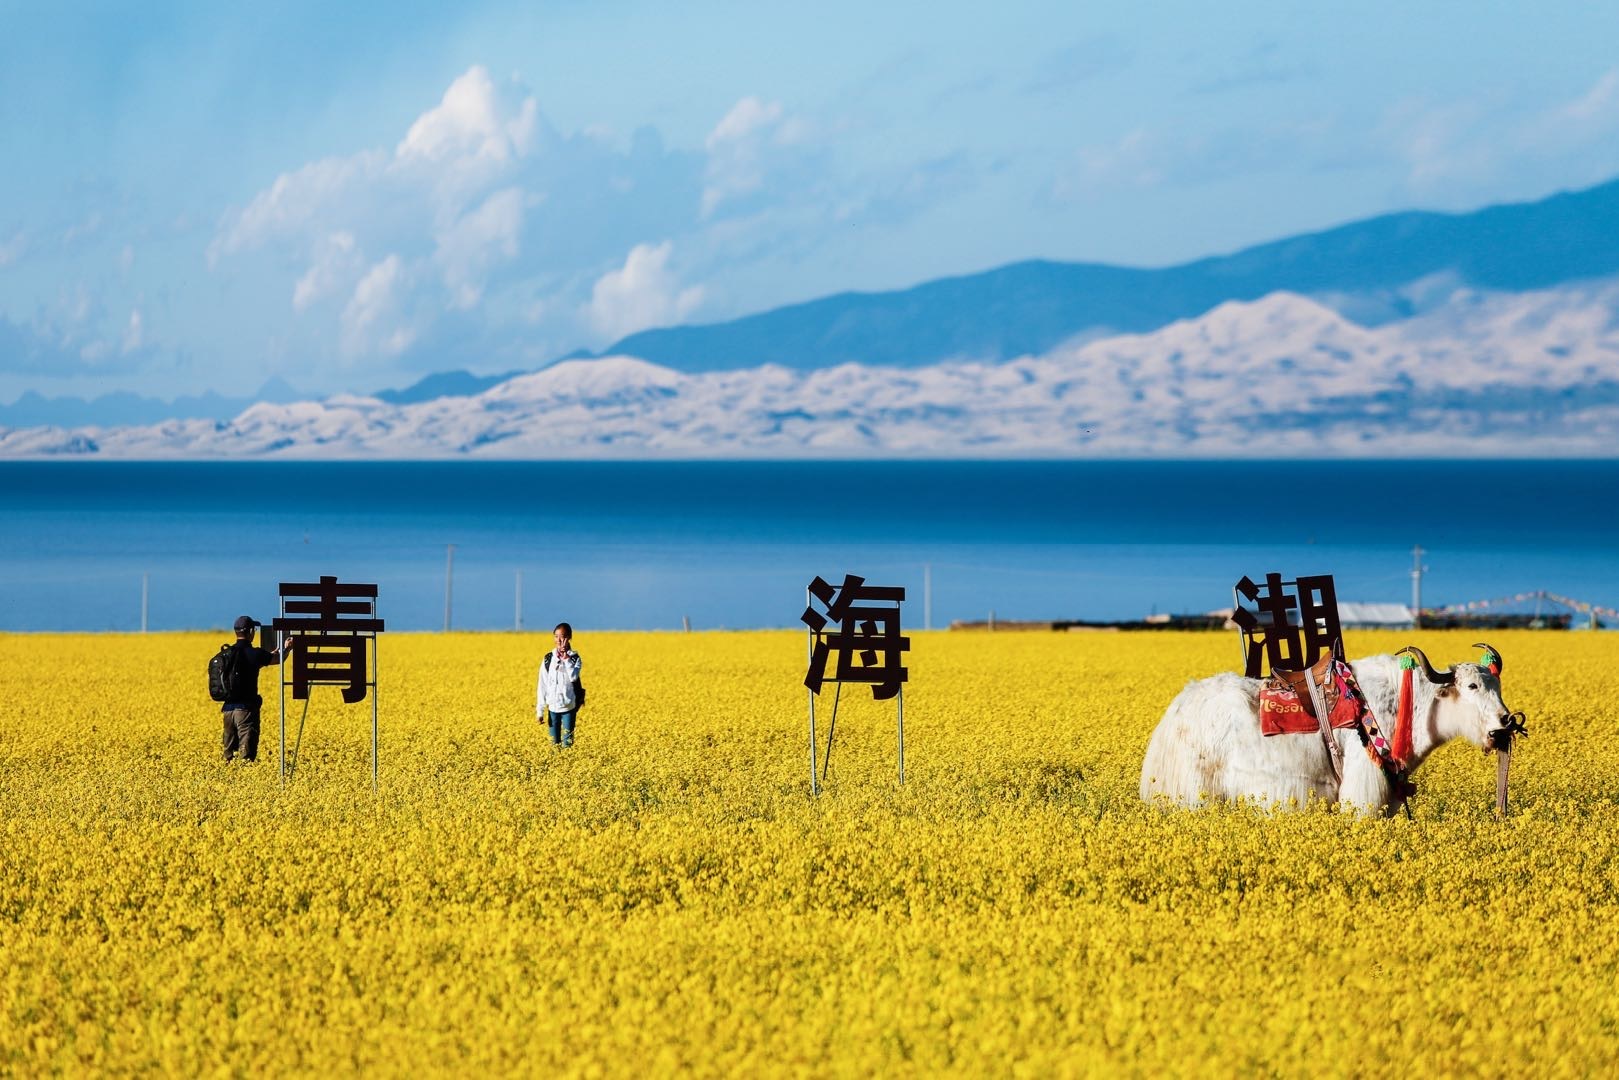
(1448,690)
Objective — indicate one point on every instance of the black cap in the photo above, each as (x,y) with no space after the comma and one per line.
(244,622)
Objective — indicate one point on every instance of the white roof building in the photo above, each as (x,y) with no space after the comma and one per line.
(1365,616)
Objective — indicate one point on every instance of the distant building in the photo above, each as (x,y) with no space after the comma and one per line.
(1354,616)
(1376,616)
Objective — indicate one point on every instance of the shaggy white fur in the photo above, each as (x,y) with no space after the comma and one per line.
(1208,745)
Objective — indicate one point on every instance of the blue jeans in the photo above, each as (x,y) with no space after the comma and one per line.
(562,726)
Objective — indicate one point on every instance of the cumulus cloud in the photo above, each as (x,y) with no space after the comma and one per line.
(475,121)
(375,320)
(295,202)
(752,144)
(450,157)
(471,245)
(479,224)
(643,293)
(73,341)
(458,204)
(335,267)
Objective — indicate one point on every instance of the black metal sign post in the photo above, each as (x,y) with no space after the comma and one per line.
(861,627)
(1270,633)
(335,623)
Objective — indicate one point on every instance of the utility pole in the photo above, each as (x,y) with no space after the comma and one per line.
(927,596)
(449,582)
(144,584)
(518,620)
(1416,587)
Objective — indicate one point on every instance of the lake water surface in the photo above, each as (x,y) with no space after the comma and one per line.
(641,545)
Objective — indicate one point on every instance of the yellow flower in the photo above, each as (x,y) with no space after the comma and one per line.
(667,897)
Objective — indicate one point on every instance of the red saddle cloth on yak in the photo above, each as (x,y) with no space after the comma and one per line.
(1285,707)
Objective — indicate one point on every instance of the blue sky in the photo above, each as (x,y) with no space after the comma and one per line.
(197,196)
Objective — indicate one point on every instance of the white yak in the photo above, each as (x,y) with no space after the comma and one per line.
(1208,745)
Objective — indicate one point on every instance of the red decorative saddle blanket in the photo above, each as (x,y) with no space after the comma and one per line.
(1285,707)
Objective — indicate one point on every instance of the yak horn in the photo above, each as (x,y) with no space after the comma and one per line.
(1438,678)
(1500,663)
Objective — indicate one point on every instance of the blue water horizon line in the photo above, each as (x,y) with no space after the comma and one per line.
(643,544)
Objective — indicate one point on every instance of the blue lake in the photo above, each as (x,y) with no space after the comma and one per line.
(642,545)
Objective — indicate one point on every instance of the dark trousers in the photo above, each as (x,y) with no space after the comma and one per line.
(242,733)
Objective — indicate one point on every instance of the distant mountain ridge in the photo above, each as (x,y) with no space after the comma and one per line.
(123,407)
(444,384)
(1383,270)
(1372,271)
(1493,374)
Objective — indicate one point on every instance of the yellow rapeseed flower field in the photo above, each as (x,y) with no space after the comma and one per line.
(667,897)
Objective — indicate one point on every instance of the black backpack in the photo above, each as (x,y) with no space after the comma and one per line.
(578,687)
(222,672)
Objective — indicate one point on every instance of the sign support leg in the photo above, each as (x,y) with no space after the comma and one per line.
(815,788)
(374,651)
(831,733)
(815,784)
(281,652)
(901,717)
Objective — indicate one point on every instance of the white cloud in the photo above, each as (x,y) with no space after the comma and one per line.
(337,264)
(1467,146)
(296,202)
(746,117)
(477,241)
(134,335)
(1439,144)
(1600,103)
(449,202)
(374,320)
(500,227)
(745,150)
(474,120)
(642,294)
(451,155)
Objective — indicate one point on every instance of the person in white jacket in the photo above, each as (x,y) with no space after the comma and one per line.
(559,692)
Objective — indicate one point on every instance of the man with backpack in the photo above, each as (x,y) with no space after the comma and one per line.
(560,693)
(233,679)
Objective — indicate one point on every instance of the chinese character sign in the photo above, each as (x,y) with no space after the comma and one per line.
(861,628)
(1290,631)
(333,622)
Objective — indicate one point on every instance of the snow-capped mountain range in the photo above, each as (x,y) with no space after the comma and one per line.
(1478,373)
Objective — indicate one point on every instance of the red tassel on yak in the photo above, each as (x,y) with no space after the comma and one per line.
(1402,723)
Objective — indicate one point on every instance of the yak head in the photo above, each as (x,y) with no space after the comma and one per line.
(1467,701)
